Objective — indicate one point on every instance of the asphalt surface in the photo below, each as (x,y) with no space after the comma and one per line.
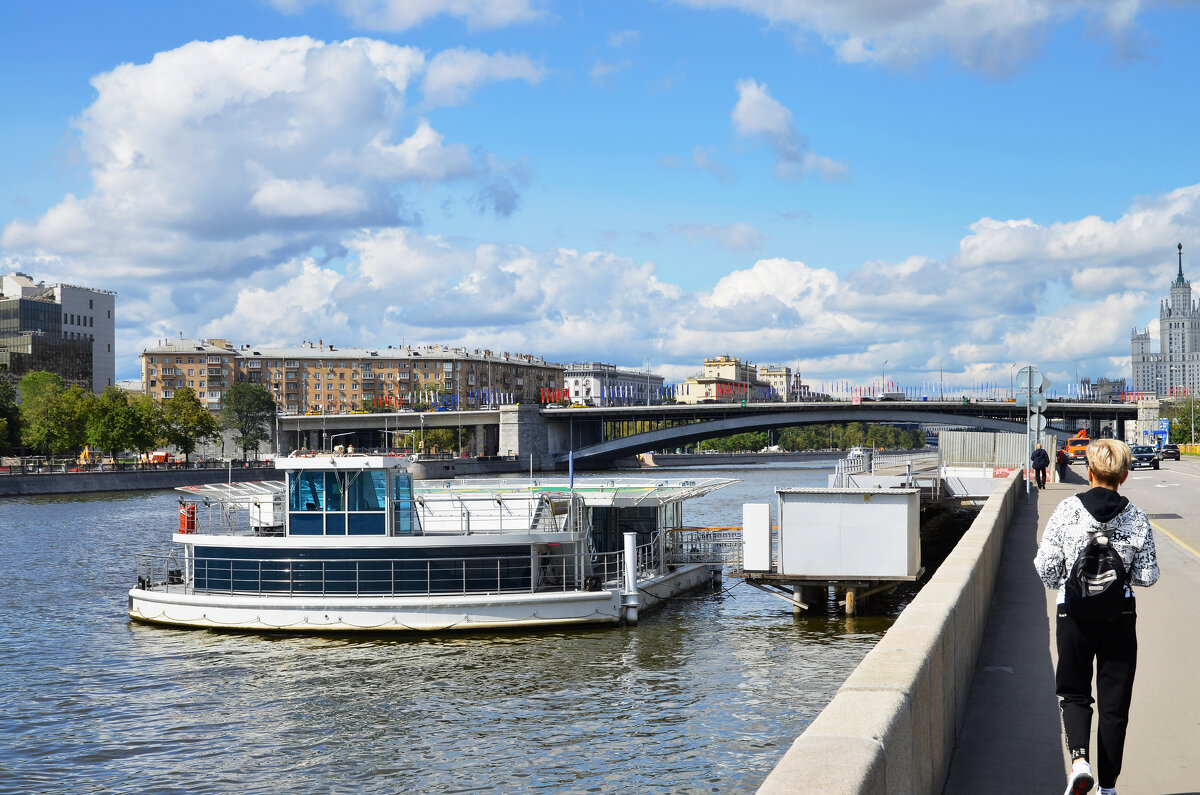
(1012,740)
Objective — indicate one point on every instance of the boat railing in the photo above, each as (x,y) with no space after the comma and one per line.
(244,516)
(711,545)
(383,577)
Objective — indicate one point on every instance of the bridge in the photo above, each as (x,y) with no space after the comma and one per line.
(596,437)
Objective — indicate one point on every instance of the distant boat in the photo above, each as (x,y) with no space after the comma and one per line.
(856,452)
(351,543)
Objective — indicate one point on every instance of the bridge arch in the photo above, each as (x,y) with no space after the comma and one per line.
(604,452)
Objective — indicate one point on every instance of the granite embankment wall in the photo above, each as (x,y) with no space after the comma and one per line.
(133,480)
(892,726)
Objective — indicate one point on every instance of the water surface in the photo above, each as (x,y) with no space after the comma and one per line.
(703,696)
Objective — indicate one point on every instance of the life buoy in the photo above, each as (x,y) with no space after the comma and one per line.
(187,518)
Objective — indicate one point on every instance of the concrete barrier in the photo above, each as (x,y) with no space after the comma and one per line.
(127,480)
(892,726)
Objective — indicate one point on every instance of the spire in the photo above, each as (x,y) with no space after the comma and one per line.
(1179,279)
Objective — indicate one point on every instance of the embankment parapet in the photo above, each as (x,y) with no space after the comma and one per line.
(892,726)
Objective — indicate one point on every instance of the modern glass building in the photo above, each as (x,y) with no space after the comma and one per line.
(59,328)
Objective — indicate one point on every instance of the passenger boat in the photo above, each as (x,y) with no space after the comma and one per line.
(351,543)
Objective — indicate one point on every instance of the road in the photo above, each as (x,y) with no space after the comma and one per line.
(1162,752)
(1011,740)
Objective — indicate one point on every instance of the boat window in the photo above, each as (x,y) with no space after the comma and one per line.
(333,490)
(337,503)
(307,491)
(403,507)
(366,491)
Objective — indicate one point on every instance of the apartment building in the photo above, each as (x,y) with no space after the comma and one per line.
(597,384)
(317,378)
(725,379)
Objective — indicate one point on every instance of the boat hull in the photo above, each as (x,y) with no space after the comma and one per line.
(172,606)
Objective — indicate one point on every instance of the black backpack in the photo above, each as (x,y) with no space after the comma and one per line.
(1095,591)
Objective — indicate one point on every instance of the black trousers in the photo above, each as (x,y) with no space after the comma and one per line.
(1112,645)
(1040,475)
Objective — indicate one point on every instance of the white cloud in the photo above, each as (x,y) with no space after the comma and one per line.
(284,305)
(706,160)
(738,236)
(396,16)
(220,156)
(759,115)
(296,198)
(622,38)
(453,74)
(603,69)
(990,36)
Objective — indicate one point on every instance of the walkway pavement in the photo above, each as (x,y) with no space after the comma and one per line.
(1011,740)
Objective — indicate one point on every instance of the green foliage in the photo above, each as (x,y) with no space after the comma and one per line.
(1182,414)
(247,410)
(186,422)
(111,424)
(39,395)
(444,439)
(822,437)
(10,417)
(145,431)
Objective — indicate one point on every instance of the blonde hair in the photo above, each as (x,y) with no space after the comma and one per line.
(1109,460)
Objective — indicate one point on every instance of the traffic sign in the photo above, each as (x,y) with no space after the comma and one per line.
(1037,404)
(1037,422)
(1030,377)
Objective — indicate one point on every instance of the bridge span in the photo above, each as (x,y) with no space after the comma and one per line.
(596,437)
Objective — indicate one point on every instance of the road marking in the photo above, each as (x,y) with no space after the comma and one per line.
(1185,474)
(1173,537)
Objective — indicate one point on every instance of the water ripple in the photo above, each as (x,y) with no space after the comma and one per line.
(702,697)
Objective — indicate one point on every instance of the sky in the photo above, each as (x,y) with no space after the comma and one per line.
(912,191)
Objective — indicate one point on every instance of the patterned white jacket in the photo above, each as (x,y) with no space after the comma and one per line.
(1066,535)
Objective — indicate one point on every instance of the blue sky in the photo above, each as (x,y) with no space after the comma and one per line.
(941,185)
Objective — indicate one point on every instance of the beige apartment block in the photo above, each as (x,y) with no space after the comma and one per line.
(317,378)
(725,379)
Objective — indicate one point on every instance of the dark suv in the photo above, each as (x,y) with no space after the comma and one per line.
(1144,456)
(1170,451)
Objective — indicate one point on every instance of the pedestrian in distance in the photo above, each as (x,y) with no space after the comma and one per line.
(1060,461)
(1097,544)
(1039,461)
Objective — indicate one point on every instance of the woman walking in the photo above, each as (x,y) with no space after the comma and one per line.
(1080,530)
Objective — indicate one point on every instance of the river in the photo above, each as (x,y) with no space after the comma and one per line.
(703,696)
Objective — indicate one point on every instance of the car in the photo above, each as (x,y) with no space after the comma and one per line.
(1144,456)
(1170,451)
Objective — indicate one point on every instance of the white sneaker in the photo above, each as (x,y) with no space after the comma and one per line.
(1108,791)
(1080,780)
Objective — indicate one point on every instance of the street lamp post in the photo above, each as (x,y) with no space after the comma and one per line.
(1012,393)
(340,435)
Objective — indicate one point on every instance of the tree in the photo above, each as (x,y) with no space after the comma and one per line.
(186,422)
(247,410)
(111,425)
(10,423)
(1182,415)
(447,439)
(39,393)
(145,430)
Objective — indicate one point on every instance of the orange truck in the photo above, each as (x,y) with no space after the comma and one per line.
(1077,446)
